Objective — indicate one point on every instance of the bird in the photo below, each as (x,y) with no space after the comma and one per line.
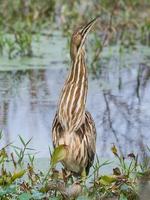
(73,125)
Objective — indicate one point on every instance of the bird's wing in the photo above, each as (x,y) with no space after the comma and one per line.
(85,135)
(57,131)
(90,131)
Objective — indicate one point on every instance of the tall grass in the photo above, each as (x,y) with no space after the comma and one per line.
(123,22)
(23,181)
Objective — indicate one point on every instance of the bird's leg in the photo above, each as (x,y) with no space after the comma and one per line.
(71,178)
(67,175)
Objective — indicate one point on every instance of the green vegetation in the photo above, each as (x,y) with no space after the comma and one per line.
(19,21)
(23,181)
(121,22)
(124,24)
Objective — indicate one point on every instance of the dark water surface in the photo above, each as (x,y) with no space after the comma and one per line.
(119,98)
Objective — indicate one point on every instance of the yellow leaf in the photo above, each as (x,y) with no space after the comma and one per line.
(107,180)
(17,175)
(114,150)
(3,153)
(59,154)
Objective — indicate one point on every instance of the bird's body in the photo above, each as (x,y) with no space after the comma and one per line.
(81,144)
(73,125)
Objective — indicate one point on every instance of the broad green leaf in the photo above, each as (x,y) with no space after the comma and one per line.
(83,174)
(124,187)
(8,190)
(2,192)
(83,198)
(123,197)
(25,196)
(17,175)
(107,180)
(59,154)
(38,195)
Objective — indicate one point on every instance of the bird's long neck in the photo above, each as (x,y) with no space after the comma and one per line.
(71,109)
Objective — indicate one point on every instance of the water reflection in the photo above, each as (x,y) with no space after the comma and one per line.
(118,101)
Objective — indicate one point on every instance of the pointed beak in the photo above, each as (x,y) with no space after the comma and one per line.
(84,32)
(86,29)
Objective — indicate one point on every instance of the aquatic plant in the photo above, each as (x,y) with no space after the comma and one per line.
(129,25)
(24,181)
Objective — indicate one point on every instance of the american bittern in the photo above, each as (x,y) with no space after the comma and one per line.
(73,125)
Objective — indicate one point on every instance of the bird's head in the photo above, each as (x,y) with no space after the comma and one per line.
(79,37)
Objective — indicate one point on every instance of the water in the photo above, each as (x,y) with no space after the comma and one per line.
(118,98)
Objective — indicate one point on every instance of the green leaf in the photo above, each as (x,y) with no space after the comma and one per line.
(17,153)
(38,195)
(1,135)
(83,198)
(2,192)
(59,154)
(17,175)
(8,190)
(25,196)
(31,149)
(22,141)
(15,147)
(107,180)
(114,150)
(124,187)
(29,142)
(123,197)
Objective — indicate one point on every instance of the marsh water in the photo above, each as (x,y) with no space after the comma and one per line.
(118,96)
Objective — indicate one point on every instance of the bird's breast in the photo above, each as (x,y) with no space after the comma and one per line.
(76,157)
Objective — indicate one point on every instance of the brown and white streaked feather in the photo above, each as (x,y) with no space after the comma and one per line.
(72,102)
(81,144)
(72,125)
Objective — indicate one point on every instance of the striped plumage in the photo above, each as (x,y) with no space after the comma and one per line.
(73,125)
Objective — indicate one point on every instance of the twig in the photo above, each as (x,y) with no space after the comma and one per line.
(110,122)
